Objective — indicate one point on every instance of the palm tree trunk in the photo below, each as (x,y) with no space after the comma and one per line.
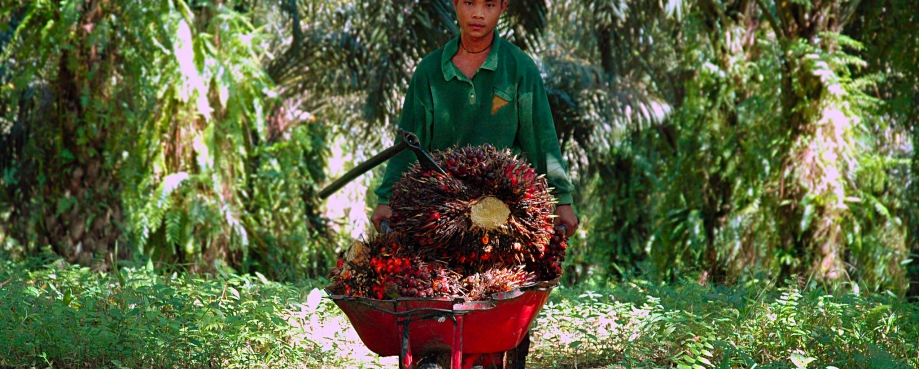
(81,210)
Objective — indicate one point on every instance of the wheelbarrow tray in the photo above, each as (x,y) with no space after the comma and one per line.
(495,325)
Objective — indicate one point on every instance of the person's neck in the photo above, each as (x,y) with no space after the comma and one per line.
(475,45)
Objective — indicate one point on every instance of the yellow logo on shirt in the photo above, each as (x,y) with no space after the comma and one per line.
(497,104)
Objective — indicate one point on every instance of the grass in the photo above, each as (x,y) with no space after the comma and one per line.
(70,317)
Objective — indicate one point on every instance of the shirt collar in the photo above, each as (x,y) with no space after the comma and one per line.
(452,46)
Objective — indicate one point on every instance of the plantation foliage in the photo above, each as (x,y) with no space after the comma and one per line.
(141,318)
(718,140)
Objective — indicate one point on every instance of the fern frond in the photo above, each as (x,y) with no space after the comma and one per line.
(174,227)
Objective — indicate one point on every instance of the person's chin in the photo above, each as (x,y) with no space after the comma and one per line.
(478,32)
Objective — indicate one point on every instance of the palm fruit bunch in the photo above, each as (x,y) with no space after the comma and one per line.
(548,265)
(483,227)
(489,204)
(481,285)
(354,276)
(380,269)
(412,277)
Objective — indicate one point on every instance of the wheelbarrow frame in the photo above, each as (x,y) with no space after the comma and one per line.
(478,332)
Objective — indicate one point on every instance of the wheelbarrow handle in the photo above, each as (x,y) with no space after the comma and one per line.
(562,228)
(424,159)
(409,141)
(384,227)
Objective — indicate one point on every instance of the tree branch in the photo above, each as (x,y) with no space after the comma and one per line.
(772,20)
(847,11)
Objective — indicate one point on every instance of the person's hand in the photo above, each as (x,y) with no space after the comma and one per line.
(381,213)
(565,215)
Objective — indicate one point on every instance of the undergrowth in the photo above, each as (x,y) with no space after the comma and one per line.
(641,325)
(59,316)
(71,317)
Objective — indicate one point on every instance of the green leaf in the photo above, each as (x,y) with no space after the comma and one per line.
(184,11)
(800,361)
(66,156)
(262,278)
(667,331)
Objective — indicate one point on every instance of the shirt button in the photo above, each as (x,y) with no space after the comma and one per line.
(472,97)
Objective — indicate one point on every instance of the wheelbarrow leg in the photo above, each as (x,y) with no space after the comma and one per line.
(405,357)
(456,350)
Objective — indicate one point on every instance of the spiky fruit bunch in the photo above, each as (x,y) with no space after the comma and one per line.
(480,286)
(548,265)
(354,274)
(380,268)
(411,277)
(489,203)
(351,278)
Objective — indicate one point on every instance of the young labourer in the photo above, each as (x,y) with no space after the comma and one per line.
(478,89)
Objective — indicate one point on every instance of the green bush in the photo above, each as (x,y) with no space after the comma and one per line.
(58,316)
(72,317)
(638,324)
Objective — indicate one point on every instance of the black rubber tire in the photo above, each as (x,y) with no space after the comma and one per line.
(429,362)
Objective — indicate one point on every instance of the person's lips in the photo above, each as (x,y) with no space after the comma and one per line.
(476,26)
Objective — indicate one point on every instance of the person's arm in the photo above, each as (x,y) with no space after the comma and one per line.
(549,150)
(547,156)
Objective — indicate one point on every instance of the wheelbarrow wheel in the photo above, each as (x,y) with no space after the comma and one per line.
(433,362)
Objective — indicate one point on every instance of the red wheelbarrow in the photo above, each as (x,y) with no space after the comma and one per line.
(472,333)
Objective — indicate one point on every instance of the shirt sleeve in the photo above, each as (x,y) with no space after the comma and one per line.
(415,118)
(538,139)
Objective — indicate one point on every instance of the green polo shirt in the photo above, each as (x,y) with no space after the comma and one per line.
(504,104)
